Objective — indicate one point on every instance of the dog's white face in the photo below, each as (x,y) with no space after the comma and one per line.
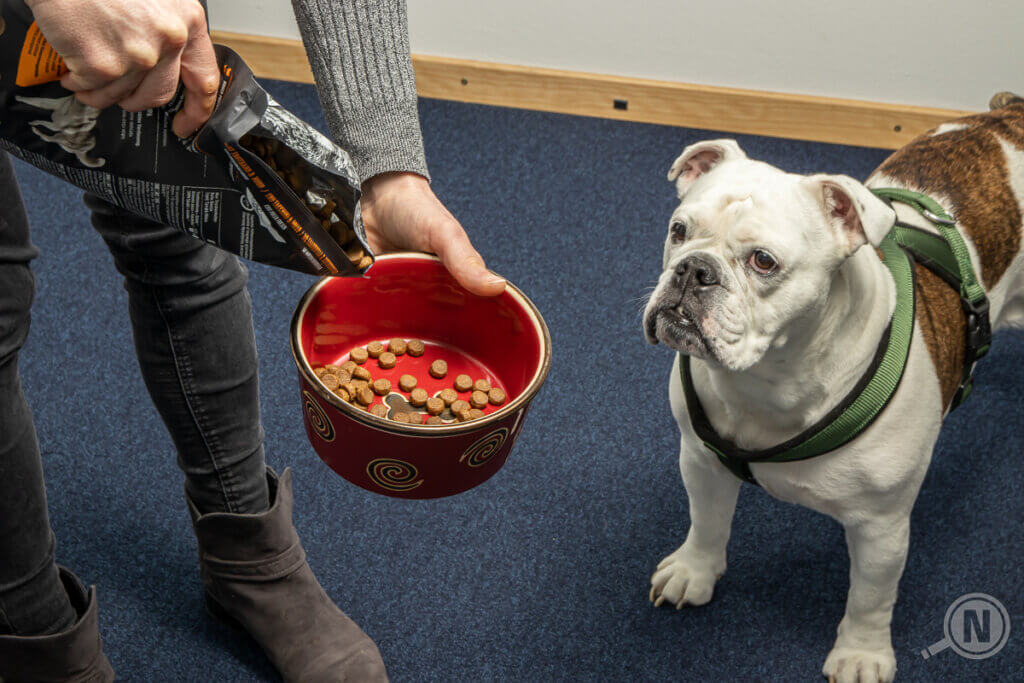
(751,253)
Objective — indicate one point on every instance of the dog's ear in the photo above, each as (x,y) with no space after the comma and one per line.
(857,216)
(699,158)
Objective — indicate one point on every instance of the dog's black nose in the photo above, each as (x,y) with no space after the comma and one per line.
(698,268)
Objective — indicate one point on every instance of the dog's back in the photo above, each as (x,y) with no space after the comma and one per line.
(974,166)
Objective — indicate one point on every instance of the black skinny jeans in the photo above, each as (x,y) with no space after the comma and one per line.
(191,317)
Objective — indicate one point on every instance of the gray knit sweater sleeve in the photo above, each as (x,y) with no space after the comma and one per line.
(359,52)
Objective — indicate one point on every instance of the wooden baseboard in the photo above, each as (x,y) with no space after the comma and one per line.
(800,117)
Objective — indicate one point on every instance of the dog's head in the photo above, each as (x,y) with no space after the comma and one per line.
(751,252)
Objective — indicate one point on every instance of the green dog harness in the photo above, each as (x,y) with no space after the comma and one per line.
(945,255)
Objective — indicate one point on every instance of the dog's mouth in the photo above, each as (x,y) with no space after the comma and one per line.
(674,327)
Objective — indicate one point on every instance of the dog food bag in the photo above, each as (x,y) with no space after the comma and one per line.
(255,180)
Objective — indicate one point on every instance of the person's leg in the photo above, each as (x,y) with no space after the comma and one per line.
(192,321)
(32,598)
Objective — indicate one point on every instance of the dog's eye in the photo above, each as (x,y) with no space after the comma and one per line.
(678,231)
(763,262)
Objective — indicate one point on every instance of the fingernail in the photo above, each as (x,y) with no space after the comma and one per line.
(493,279)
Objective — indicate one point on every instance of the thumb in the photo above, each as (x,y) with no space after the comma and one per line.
(464,262)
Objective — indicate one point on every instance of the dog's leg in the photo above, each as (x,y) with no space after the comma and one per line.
(687,576)
(863,649)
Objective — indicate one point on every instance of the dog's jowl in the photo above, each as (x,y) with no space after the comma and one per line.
(824,328)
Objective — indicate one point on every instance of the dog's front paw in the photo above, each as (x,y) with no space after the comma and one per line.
(680,580)
(855,665)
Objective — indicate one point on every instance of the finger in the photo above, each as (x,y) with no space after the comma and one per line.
(92,78)
(156,88)
(453,247)
(112,93)
(200,75)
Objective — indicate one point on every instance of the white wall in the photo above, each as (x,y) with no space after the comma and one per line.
(933,53)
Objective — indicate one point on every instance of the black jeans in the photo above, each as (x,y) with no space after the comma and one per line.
(191,316)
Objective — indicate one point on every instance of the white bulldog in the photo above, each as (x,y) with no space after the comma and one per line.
(772,285)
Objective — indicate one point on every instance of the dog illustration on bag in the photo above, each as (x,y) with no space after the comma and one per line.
(70,126)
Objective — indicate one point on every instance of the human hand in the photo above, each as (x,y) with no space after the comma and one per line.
(400,211)
(134,53)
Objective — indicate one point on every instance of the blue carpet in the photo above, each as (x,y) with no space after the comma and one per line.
(542,573)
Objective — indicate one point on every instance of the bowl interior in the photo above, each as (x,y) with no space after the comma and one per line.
(413,296)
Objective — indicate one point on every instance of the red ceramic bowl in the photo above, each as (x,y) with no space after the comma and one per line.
(502,339)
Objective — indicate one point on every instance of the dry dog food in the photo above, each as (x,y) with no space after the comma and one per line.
(496,396)
(342,393)
(482,385)
(418,397)
(456,406)
(387,360)
(475,413)
(438,369)
(397,346)
(405,416)
(330,381)
(463,415)
(379,409)
(319,372)
(434,420)
(407,383)
(255,180)
(358,355)
(463,383)
(416,347)
(478,399)
(349,366)
(435,406)
(374,349)
(382,387)
(362,373)
(365,395)
(449,396)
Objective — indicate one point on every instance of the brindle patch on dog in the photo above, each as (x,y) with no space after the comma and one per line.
(943,324)
(968,166)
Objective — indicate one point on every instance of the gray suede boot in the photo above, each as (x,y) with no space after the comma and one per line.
(256,577)
(73,656)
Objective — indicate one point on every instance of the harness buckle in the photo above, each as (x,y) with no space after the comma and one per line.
(979,328)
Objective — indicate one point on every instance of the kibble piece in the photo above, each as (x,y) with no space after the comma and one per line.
(382,387)
(344,378)
(397,346)
(482,385)
(418,397)
(349,366)
(456,406)
(342,393)
(496,396)
(379,409)
(365,395)
(363,374)
(449,396)
(438,369)
(352,390)
(365,262)
(407,383)
(359,355)
(333,369)
(474,413)
(387,360)
(434,420)
(415,347)
(374,349)
(319,372)
(435,406)
(463,383)
(327,209)
(330,381)
(463,415)
(401,416)
(478,399)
